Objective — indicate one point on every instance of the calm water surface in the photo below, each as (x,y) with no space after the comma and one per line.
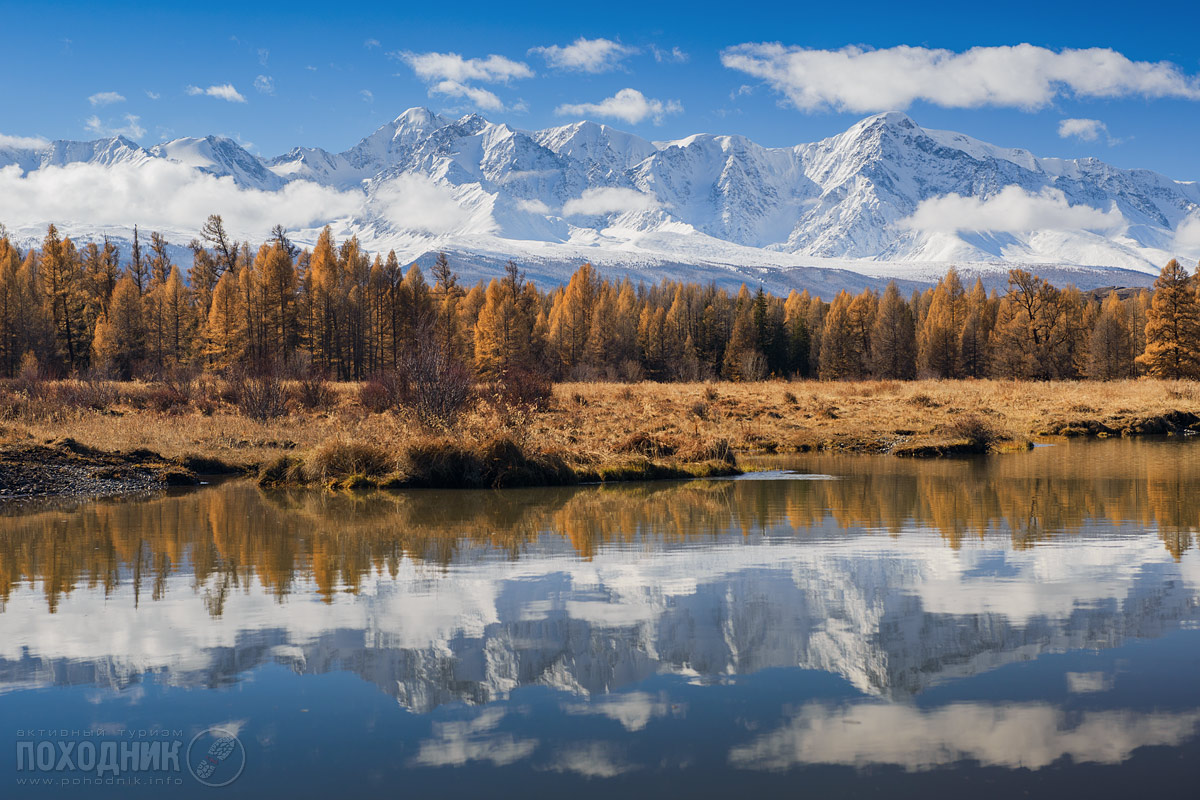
(1021,625)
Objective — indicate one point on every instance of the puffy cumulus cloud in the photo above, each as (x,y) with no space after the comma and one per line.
(224,91)
(264,84)
(162,194)
(106,98)
(1089,130)
(434,67)
(860,79)
(585,55)
(23,142)
(608,200)
(1029,736)
(479,97)
(131,128)
(450,74)
(628,104)
(416,203)
(1012,210)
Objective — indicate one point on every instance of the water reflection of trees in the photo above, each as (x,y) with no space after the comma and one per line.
(227,536)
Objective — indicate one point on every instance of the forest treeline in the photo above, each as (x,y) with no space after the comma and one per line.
(340,312)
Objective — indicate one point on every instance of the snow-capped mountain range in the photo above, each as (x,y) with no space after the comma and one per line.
(886,198)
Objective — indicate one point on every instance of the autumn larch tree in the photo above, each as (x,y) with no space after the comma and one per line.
(1173,326)
(894,337)
(1110,347)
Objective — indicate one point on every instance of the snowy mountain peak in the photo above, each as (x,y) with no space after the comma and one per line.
(884,197)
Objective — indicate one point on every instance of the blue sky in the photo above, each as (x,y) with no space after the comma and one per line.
(275,75)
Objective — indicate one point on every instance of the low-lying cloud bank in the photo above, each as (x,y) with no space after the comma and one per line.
(162,194)
(1011,210)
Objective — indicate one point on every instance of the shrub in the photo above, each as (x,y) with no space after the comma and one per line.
(975,430)
(524,387)
(710,394)
(258,397)
(313,392)
(381,393)
(166,398)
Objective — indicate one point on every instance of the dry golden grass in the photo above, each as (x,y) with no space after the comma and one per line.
(593,426)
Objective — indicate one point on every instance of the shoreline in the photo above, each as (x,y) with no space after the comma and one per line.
(584,433)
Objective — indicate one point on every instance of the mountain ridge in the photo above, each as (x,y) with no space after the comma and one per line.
(885,198)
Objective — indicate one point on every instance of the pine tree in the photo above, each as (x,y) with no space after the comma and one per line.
(1173,326)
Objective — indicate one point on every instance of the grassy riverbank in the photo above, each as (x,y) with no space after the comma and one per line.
(584,432)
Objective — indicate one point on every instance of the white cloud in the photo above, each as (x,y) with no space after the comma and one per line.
(673,56)
(533,206)
(628,104)
(369,43)
(163,195)
(131,128)
(591,760)
(1187,235)
(1088,682)
(224,91)
(482,98)
(609,200)
(264,84)
(1012,210)
(414,202)
(1029,736)
(1089,130)
(449,73)
(152,95)
(23,142)
(263,55)
(367,95)
(106,98)
(453,67)
(586,55)
(859,79)
(459,742)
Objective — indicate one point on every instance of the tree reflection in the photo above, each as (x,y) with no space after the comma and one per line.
(230,535)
